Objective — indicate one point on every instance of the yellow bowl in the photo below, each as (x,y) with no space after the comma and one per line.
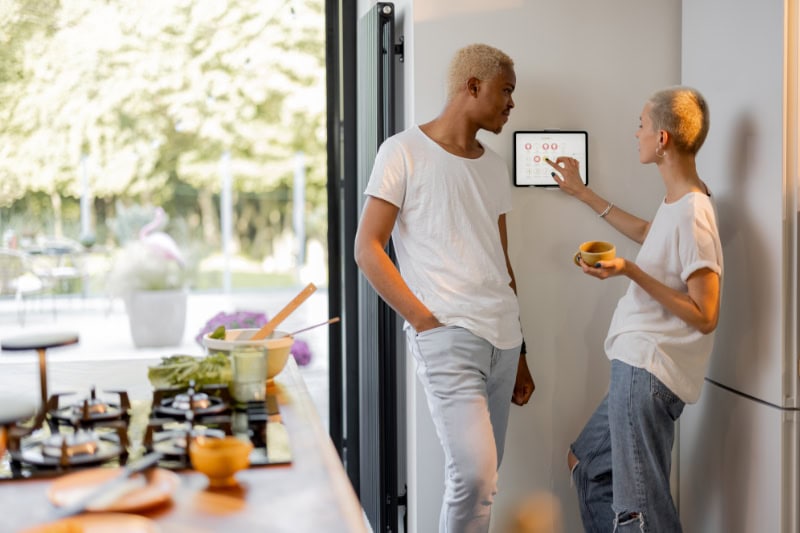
(278,345)
(220,459)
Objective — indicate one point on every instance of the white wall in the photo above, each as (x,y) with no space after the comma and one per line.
(742,161)
(739,459)
(579,65)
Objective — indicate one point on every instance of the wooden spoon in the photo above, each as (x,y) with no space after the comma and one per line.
(267,329)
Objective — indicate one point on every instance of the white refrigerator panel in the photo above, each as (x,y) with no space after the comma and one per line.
(738,468)
(733,52)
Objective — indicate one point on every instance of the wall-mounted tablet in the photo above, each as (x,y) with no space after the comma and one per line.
(531,148)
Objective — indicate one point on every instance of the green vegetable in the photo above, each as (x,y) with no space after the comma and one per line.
(218,333)
(178,370)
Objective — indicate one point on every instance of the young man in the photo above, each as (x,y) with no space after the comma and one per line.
(443,196)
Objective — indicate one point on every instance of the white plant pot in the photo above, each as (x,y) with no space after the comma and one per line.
(157,318)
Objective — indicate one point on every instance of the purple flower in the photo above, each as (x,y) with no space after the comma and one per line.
(236,320)
(301,352)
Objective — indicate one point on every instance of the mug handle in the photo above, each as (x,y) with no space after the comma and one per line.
(577,258)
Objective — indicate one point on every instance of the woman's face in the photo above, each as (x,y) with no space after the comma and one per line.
(647,136)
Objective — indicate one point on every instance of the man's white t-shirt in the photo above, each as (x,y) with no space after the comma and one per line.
(446,235)
(682,239)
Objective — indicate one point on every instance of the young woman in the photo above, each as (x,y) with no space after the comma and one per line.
(662,331)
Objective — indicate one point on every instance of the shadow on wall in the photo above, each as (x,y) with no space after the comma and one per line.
(709,510)
(743,248)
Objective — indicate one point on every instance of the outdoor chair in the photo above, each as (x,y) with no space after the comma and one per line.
(59,263)
(18,280)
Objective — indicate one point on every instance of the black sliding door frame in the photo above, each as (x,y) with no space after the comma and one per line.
(340,53)
(361,55)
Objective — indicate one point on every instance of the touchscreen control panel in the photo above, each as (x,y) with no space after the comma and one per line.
(532,147)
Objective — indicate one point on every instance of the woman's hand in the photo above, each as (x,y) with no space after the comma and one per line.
(567,175)
(605,269)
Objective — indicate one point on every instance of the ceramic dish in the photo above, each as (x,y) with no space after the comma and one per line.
(145,491)
(220,459)
(99,523)
(278,345)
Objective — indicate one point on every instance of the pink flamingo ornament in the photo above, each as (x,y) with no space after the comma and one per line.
(158,241)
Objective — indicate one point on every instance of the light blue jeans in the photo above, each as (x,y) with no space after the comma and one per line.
(468,384)
(624,456)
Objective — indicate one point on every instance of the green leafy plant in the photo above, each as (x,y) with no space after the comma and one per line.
(179,370)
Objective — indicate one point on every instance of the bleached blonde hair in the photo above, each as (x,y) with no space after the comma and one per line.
(683,113)
(475,60)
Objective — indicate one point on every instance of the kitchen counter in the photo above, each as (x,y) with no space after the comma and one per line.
(313,493)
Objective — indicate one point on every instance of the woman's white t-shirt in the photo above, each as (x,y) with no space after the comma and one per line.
(682,239)
(446,235)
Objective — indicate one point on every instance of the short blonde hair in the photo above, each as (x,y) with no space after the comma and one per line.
(476,60)
(683,113)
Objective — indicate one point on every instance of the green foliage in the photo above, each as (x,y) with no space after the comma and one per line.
(218,333)
(178,370)
(141,98)
(208,280)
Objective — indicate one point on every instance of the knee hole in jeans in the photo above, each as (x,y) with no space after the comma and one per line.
(572,464)
(572,461)
(628,518)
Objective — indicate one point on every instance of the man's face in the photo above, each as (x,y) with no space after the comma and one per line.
(494,100)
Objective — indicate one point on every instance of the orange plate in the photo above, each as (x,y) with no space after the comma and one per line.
(99,523)
(156,490)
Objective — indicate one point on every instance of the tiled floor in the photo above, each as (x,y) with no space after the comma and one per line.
(102,327)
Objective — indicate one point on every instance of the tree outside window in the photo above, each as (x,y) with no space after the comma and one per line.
(156,104)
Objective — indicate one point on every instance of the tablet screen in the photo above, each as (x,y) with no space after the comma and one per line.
(531,147)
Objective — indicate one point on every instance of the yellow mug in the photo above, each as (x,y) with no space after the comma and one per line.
(593,251)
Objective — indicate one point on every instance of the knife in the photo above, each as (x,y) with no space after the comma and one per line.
(110,486)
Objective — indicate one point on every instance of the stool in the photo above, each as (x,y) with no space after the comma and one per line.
(39,342)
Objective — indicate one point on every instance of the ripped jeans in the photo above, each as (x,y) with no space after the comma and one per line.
(624,456)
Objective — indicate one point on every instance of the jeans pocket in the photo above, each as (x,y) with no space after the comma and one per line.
(671,403)
(426,344)
(420,334)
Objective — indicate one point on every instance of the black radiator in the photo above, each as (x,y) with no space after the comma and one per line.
(378,442)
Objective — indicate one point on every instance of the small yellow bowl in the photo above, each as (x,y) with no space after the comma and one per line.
(220,459)
(278,345)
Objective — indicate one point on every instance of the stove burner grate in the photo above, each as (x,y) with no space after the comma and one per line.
(82,448)
(209,400)
(88,412)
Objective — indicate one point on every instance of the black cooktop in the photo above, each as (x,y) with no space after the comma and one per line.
(90,433)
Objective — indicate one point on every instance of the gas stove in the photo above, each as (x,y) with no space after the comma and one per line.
(107,429)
